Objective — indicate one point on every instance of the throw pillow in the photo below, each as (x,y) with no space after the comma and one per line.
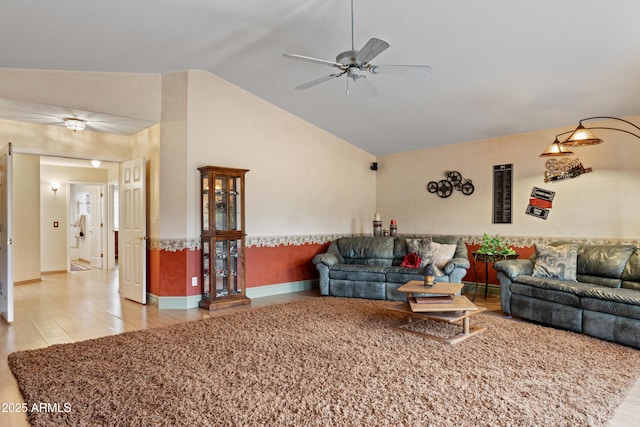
(422,248)
(556,262)
(412,260)
(442,253)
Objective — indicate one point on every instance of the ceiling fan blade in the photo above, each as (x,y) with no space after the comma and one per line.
(402,70)
(318,81)
(373,48)
(310,59)
(365,86)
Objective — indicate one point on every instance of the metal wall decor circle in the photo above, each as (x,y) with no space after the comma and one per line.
(454,181)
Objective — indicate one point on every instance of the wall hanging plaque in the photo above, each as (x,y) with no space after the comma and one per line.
(540,202)
(559,169)
(502,193)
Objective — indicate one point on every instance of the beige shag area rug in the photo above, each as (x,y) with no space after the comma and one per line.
(327,362)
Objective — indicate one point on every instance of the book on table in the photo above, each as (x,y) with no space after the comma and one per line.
(447,299)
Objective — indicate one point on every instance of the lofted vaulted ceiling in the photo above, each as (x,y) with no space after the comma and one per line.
(500,67)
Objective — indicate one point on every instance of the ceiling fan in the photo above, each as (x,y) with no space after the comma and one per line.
(355,63)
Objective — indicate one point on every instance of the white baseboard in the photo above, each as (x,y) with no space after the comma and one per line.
(175,303)
(281,288)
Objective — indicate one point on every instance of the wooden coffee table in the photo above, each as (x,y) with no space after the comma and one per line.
(456,308)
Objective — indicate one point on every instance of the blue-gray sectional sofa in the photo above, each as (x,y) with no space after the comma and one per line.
(369,267)
(599,295)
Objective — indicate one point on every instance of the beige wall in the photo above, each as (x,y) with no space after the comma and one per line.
(122,94)
(601,204)
(58,141)
(147,144)
(26,218)
(172,157)
(302,180)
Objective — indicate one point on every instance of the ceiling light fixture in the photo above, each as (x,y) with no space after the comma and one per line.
(74,124)
(95,163)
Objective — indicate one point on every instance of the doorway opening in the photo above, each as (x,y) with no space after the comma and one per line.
(87,242)
(82,210)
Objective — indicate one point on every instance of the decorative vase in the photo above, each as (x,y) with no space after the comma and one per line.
(377,228)
(429,275)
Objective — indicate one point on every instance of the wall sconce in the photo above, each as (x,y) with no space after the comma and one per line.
(74,124)
(55,186)
(95,163)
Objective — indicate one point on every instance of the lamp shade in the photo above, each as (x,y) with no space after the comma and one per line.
(582,136)
(556,150)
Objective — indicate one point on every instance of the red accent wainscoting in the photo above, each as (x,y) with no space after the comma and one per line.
(170,272)
(281,264)
(523,253)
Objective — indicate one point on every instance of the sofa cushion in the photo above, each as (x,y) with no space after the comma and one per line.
(357,289)
(600,281)
(620,302)
(366,250)
(513,268)
(358,272)
(604,260)
(631,274)
(551,295)
(569,286)
(403,275)
(559,262)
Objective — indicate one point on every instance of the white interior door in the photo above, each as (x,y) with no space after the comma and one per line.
(95,226)
(132,237)
(6,233)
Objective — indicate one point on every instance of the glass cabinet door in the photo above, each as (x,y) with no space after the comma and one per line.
(205,203)
(234,203)
(206,267)
(228,267)
(235,266)
(222,203)
(222,268)
(228,202)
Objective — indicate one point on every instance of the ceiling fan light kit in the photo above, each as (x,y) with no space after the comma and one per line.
(355,63)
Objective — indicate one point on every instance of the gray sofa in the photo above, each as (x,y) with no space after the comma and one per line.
(603,301)
(369,267)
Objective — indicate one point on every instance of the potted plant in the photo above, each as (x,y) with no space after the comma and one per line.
(493,248)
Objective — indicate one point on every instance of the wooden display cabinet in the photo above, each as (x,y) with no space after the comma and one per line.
(222,237)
